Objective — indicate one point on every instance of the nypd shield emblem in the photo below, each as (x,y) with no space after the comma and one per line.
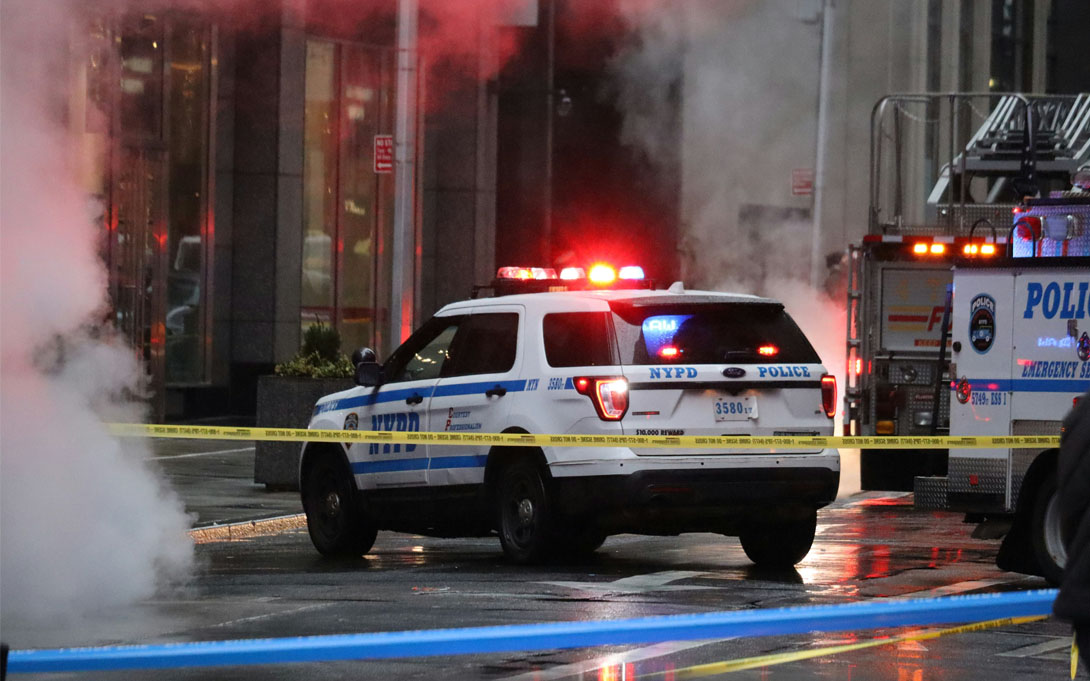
(982,323)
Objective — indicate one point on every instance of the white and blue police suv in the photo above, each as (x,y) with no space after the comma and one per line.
(592,361)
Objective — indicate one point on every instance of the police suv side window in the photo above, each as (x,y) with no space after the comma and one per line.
(578,339)
(485,344)
(425,353)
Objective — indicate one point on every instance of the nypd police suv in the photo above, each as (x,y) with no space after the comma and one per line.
(588,360)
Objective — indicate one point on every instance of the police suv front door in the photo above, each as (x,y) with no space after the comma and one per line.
(401,404)
(474,394)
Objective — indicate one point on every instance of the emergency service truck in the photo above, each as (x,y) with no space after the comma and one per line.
(947,172)
(1020,357)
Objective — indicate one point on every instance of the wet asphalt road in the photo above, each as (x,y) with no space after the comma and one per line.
(275,585)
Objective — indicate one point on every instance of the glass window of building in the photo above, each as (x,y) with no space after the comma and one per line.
(145,116)
(347,205)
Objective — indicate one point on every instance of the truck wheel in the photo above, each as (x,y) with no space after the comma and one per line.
(780,542)
(336,520)
(525,522)
(1048,546)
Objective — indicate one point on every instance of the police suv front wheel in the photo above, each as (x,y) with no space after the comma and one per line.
(525,517)
(336,520)
(782,540)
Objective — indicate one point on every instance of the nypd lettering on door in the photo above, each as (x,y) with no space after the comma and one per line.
(400,422)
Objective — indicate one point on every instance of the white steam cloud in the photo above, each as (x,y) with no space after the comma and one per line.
(733,237)
(84,523)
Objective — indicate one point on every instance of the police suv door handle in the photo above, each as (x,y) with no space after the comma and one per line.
(498,391)
(415,398)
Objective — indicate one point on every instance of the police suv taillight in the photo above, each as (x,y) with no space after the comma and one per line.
(828,395)
(609,394)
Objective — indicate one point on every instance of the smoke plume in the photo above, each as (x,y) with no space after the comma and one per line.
(737,233)
(84,524)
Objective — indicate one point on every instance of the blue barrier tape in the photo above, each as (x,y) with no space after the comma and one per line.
(526,637)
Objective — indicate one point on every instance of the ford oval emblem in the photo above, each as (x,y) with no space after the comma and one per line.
(734,372)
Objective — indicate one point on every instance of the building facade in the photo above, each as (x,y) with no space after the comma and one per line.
(243,157)
(253,178)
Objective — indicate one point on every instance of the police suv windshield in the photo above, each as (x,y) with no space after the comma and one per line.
(709,333)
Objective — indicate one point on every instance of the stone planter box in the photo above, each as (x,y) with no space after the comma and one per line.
(286,402)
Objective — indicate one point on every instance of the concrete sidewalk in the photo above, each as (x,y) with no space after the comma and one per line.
(215,479)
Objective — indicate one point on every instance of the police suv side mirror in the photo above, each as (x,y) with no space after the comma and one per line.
(368,374)
(368,370)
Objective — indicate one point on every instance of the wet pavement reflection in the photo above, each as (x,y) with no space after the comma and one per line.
(869,546)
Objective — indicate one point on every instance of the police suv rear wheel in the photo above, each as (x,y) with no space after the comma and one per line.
(525,516)
(782,541)
(336,520)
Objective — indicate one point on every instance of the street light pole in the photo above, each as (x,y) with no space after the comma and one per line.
(550,108)
(402,275)
(827,23)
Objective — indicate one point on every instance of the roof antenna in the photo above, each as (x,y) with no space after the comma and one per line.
(676,287)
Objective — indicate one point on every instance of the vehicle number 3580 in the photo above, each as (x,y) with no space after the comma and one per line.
(735,409)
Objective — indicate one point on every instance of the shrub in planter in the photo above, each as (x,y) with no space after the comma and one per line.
(287,399)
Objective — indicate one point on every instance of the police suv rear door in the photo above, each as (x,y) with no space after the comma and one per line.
(717,365)
(474,395)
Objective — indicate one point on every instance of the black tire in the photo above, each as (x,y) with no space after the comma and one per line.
(782,541)
(336,520)
(582,541)
(525,518)
(1047,537)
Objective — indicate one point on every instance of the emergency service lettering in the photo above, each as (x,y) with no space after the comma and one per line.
(400,422)
(1055,370)
(1053,299)
(673,372)
(785,371)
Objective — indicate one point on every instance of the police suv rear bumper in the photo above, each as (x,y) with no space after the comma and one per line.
(686,500)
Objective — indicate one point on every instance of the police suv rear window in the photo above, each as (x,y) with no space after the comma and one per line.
(578,339)
(485,344)
(710,333)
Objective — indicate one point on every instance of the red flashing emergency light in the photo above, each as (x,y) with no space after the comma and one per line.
(515,280)
(669,352)
(768,350)
(602,274)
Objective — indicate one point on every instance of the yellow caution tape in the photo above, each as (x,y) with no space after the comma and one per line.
(525,440)
(701,670)
(1074,656)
